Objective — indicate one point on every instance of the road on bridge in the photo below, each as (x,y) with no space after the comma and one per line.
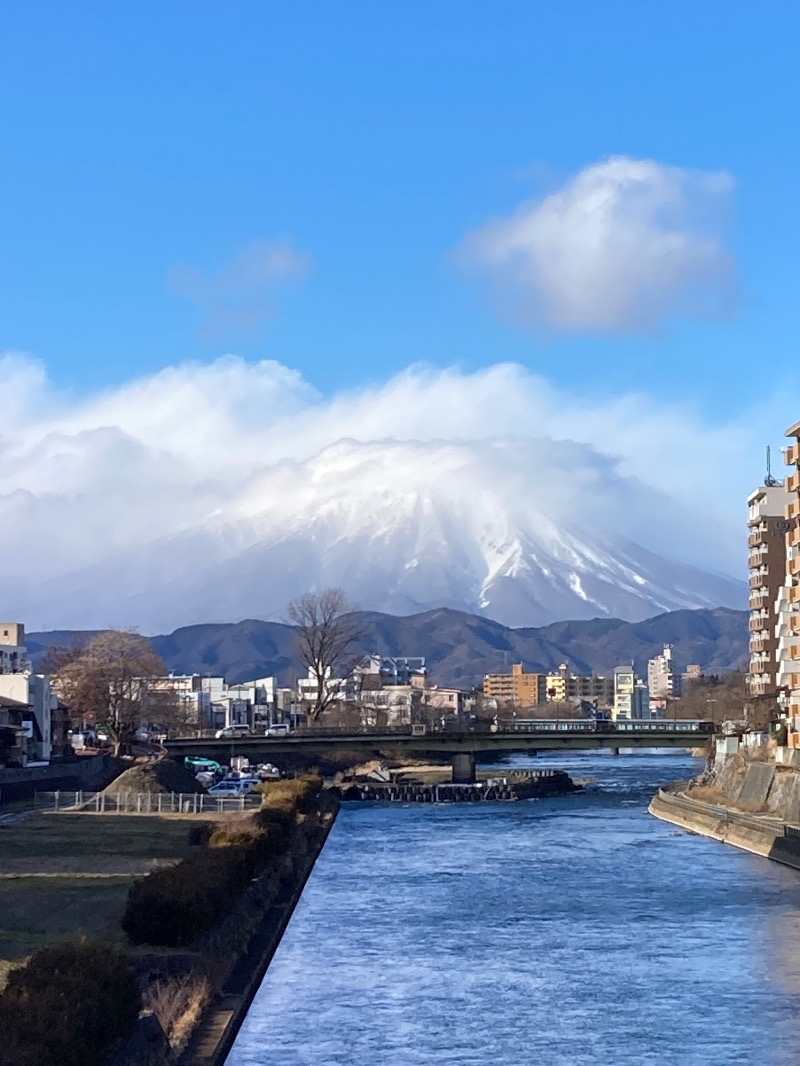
(463,746)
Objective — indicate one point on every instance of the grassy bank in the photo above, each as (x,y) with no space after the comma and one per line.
(69,875)
(182,898)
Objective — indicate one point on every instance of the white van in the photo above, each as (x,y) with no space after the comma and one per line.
(280,729)
(234,731)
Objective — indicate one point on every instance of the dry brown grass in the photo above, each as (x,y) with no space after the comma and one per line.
(178,1003)
(708,794)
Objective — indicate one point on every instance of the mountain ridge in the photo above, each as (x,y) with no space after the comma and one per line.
(460,647)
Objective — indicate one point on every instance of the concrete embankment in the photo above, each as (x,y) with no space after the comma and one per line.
(213,1037)
(759,834)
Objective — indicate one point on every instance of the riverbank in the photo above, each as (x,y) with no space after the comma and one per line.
(760,834)
(187,911)
(220,1022)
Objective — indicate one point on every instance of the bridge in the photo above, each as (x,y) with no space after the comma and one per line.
(463,745)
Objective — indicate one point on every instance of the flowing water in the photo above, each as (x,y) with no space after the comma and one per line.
(567,931)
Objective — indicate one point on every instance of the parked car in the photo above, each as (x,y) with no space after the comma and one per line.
(234,731)
(280,729)
(240,786)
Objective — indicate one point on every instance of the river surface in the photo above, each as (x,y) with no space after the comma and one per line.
(567,931)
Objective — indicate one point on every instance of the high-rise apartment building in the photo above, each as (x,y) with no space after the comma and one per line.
(766,565)
(787,629)
(517,688)
(662,681)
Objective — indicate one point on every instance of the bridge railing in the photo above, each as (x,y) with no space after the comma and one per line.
(694,728)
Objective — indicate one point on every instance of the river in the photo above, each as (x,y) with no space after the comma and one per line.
(564,932)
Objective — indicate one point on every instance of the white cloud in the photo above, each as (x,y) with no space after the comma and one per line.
(620,247)
(237,298)
(83,481)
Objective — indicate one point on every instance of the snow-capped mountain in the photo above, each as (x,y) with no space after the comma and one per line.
(521,531)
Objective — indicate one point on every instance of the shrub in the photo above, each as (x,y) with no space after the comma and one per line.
(296,794)
(178,1002)
(281,818)
(171,907)
(67,1006)
(199,834)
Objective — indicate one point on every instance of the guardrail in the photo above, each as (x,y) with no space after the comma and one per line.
(641,726)
(762,823)
(144,802)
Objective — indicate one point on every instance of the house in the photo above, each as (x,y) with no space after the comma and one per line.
(20,687)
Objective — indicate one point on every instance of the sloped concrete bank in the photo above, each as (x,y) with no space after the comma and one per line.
(219,1025)
(760,834)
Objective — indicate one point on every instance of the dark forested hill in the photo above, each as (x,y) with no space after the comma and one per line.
(460,648)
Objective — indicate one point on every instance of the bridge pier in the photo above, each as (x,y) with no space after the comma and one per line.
(615,751)
(464,768)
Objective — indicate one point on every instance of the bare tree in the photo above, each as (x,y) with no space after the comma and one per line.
(105,682)
(326,631)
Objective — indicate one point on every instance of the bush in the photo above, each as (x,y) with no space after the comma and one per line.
(172,907)
(199,834)
(295,794)
(67,1006)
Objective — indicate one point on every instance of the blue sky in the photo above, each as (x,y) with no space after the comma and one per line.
(140,139)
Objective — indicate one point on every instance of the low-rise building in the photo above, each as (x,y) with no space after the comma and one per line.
(20,687)
(566,687)
(631,697)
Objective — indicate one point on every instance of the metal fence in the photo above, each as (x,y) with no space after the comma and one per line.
(763,824)
(144,802)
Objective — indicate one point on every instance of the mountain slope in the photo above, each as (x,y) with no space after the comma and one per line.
(404,527)
(460,648)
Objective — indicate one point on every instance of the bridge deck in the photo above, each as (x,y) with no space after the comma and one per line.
(445,742)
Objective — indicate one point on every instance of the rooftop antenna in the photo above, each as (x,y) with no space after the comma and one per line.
(770,481)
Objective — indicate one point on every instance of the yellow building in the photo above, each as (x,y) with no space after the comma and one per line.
(517,688)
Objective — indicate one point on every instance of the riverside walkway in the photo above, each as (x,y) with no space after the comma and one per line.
(463,745)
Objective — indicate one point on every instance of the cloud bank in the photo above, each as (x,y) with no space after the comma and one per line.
(82,481)
(620,247)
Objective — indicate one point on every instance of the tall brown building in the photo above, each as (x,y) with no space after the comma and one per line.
(519,688)
(766,562)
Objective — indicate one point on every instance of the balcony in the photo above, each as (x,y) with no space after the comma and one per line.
(759,624)
(758,580)
(757,536)
(793,509)
(793,482)
(758,599)
(793,594)
(793,652)
(791,454)
(755,559)
(793,566)
(759,646)
(793,536)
